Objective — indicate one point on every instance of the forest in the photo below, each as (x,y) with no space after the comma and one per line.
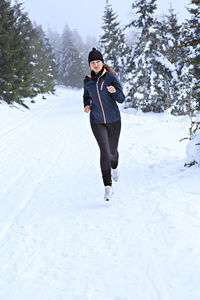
(157,59)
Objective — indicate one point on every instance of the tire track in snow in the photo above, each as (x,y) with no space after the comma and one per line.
(152,272)
(148,201)
(65,136)
(9,151)
(26,202)
(150,228)
(113,237)
(10,135)
(159,285)
(34,165)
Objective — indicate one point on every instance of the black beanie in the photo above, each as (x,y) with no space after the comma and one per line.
(95,55)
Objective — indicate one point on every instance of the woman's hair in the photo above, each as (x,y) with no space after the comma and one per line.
(109,69)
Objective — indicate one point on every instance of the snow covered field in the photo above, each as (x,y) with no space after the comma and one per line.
(59,240)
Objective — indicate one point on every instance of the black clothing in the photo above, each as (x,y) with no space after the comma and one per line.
(95,76)
(95,55)
(103,105)
(105,116)
(107,136)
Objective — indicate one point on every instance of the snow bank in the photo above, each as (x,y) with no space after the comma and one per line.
(193,149)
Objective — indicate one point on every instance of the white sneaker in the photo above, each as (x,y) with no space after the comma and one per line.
(115,174)
(108,193)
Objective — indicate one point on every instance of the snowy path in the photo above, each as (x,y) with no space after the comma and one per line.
(59,240)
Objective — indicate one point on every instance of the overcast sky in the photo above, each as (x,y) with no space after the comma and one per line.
(86,15)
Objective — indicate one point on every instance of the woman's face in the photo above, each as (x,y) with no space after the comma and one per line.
(96,65)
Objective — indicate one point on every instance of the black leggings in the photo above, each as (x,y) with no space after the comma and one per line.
(107,136)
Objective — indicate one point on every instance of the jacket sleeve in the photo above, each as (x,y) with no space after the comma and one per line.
(118,95)
(86,97)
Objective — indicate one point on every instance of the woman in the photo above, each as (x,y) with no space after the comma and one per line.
(101,92)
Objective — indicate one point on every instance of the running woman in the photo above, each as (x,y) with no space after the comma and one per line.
(102,91)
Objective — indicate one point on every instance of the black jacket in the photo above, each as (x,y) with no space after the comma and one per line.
(104,108)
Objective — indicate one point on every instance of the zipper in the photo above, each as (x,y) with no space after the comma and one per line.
(100,98)
(102,85)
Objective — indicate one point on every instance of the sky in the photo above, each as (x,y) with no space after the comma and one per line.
(86,15)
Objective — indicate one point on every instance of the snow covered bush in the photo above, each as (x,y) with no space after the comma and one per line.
(193,147)
(193,151)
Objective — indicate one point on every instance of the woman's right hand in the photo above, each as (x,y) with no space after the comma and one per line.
(87,108)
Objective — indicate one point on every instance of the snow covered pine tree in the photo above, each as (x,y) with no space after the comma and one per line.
(113,44)
(152,73)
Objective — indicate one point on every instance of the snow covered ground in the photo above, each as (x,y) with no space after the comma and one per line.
(59,240)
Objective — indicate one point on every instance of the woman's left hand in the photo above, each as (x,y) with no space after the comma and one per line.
(111,89)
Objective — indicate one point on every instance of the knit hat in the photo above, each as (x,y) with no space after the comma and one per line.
(95,55)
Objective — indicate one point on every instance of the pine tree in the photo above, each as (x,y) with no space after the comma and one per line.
(23,60)
(81,49)
(83,54)
(194,43)
(71,64)
(189,84)
(173,35)
(18,56)
(55,42)
(8,49)
(44,64)
(88,45)
(152,74)
(170,36)
(112,43)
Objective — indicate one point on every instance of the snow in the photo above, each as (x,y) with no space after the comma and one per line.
(193,149)
(139,95)
(170,43)
(147,46)
(152,29)
(60,240)
(197,119)
(165,62)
